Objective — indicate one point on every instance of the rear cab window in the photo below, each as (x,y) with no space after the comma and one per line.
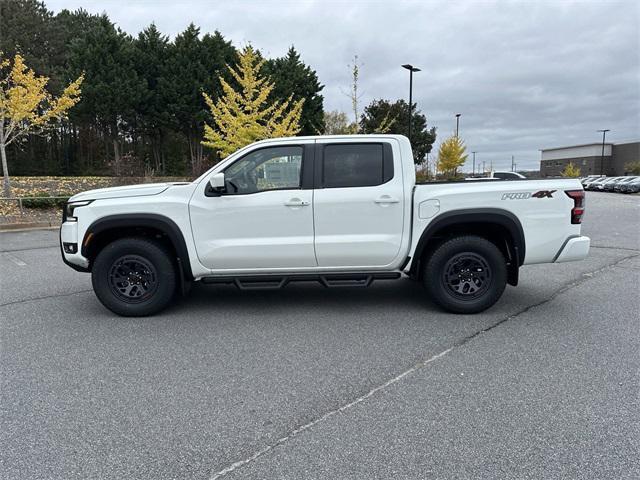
(356,165)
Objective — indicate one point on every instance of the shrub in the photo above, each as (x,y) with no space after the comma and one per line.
(571,171)
(43,201)
(633,168)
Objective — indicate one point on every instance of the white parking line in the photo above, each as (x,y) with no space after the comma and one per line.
(341,409)
(15,260)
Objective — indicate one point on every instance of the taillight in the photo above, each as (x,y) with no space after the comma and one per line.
(578,205)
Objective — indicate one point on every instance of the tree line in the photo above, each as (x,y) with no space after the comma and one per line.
(143,107)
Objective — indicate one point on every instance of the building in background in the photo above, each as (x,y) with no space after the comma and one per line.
(588,158)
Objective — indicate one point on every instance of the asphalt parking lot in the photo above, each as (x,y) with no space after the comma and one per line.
(313,383)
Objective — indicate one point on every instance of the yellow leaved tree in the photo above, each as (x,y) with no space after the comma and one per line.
(27,107)
(245,116)
(571,171)
(451,156)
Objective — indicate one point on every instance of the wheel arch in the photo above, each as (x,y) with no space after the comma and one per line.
(112,227)
(499,226)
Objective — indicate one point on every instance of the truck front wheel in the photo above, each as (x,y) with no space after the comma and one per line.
(466,274)
(134,277)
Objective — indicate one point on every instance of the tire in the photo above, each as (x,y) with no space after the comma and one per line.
(134,277)
(466,274)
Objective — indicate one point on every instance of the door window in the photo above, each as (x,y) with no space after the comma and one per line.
(356,165)
(271,168)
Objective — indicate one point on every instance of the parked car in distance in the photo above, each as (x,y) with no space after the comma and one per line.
(338,210)
(508,175)
(590,179)
(631,187)
(608,186)
(593,185)
(617,186)
(599,186)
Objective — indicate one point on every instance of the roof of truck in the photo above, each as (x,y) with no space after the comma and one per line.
(317,137)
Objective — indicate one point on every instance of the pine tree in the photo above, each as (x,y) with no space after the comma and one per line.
(451,156)
(293,78)
(193,65)
(244,116)
(113,88)
(383,116)
(152,117)
(27,28)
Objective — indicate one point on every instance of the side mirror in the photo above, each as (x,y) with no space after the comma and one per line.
(217,181)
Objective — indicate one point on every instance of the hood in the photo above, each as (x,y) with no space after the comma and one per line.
(124,191)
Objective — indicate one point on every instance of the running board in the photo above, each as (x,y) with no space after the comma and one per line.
(273,282)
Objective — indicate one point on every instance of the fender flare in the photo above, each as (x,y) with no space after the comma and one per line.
(149,220)
(496,216)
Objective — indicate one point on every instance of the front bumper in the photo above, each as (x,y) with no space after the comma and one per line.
(575,248)
(69,235)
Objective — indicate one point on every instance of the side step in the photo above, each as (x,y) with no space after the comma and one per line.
(273,282)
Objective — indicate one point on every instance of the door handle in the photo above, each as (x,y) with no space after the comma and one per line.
(296,202)
(386,199)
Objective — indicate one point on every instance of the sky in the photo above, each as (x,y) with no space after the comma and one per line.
(523,75)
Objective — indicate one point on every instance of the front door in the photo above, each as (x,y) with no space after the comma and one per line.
(358,204)
(263,219)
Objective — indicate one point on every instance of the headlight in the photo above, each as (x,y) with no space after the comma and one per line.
(70,207)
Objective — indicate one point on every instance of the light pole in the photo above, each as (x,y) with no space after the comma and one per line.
(604,133)
(411,69)
(474,163)
(457,123)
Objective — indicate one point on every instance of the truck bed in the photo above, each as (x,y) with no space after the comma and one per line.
(541,206)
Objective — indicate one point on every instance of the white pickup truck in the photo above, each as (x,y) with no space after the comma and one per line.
(339,210)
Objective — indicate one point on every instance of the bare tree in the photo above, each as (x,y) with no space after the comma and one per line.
(353,94)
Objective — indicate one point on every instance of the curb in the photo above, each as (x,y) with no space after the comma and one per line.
(12,227)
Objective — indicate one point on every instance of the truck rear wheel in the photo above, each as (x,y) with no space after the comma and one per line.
(134,277)
(466,274)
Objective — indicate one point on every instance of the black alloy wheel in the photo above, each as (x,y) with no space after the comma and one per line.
(133,279)
(465,274)
(134,276)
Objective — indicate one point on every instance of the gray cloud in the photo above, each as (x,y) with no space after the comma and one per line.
(524,75)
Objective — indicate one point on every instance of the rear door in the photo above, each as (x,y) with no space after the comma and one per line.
(358,203)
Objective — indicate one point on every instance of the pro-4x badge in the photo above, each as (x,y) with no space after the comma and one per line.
(516,196)
(543,194)
(526,195)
